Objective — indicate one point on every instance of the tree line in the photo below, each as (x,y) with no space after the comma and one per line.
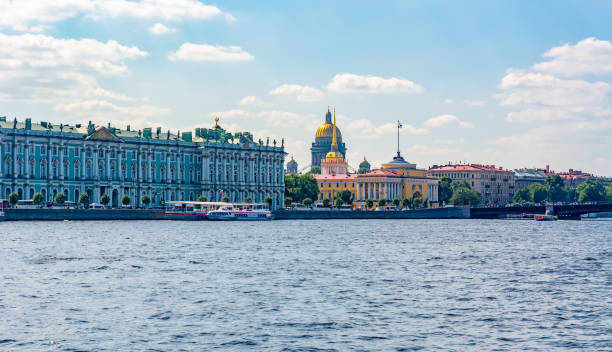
(554,190)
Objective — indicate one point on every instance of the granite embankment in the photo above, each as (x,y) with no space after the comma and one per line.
(439,213)
(84,214)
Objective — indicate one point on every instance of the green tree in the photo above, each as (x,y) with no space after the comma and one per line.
(591,191)
(268,200)
(609,192)
(460,184)
(307,201)
(299,187)
(225,199)
(338,202)
(326,202)
(60,198)
(406,203)
(417,201)
(248,200)
(13,198)
(445,190)
(572,195)
(146,200)
(369,203)
(465,196)
(202,198)
(287,201)
(346,196)
(538,192)
(522,196)
(84,199)
(557,192)
(105,199)
(37,198)
(125,200)
(382,203)
(315,170)
(396,202)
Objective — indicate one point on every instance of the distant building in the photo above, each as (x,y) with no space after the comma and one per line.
(573,178)
(364,165)
(495,184)
(334,162)
(96,160)
(292,166)
(525,177)
(397,179)
(323,141)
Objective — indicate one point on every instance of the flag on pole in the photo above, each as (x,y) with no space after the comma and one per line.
(399,124)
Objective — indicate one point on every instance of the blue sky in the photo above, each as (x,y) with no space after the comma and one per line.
(516,83)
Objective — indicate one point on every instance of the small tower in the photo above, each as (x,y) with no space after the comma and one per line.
(364,165)
(292,166)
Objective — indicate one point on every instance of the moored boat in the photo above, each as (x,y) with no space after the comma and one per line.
(242,212)
(545,217)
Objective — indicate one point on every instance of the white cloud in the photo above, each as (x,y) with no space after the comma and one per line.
(40,51)
(589,56)
(543,97)
(366,129)
(230,114)
(302,93)
(205,52)
(351,83)
(159,29)
(229,18)
(24,12)
(39,69)
(445,120)
(251,100)
(448,101)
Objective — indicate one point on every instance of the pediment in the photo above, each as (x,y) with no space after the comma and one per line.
(103,134)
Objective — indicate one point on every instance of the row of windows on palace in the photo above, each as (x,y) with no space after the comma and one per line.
(190,174)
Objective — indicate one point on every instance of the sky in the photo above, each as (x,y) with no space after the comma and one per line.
(510,83)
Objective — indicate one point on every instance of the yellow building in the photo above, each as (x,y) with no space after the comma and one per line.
(331,185)
(396,179)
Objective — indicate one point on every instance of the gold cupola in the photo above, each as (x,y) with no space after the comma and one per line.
(326,130)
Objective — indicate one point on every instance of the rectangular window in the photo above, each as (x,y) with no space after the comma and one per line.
(43,150)
(76,151)
(101,153)
(65,151)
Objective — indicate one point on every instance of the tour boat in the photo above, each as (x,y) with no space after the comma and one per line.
(244,214)
(544,218)
(1,215)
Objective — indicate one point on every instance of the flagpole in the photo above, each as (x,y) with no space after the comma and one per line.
(398,128)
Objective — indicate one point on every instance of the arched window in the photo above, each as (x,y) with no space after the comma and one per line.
(77,170)
(88,170)
(66,171)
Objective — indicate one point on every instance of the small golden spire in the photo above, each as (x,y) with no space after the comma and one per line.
(364,159)
(217,121)
(334,141)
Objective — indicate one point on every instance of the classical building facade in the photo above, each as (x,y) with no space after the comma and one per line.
(323,141)
(495,184)
(292,166)
(74,159)
(397,179)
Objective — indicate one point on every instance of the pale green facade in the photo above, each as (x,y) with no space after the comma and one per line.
(48,158)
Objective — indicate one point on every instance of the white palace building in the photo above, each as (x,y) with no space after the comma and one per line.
(74,159)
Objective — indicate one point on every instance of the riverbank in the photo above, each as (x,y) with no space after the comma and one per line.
(434,213)
(83,214)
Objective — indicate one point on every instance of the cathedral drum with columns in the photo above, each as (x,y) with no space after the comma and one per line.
(96,160)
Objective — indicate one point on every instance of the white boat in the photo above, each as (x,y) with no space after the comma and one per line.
(246,213)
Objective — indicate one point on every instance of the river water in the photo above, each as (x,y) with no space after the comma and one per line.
(360,285)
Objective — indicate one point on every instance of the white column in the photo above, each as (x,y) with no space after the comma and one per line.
(95,165)
(107,158)
(149,173)
(83,164)
(179,173)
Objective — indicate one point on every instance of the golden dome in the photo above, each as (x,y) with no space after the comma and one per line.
(333,154)
(326,131)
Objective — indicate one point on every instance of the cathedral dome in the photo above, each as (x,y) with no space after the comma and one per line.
(364,164)
(326,131)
